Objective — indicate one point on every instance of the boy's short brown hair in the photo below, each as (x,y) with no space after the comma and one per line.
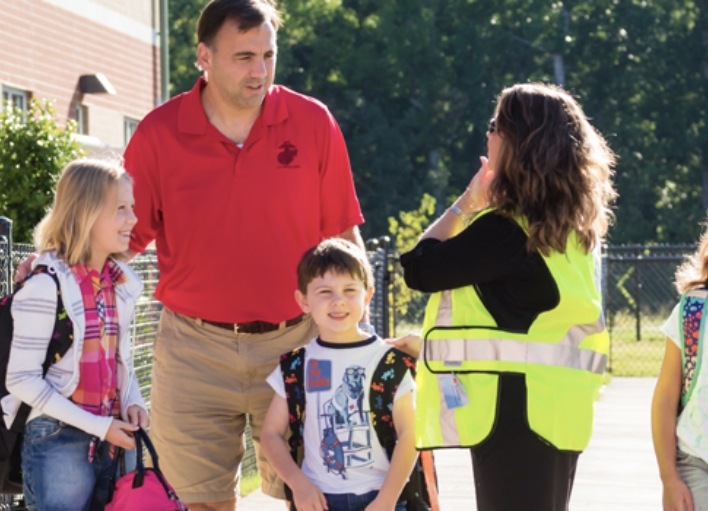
(338,256)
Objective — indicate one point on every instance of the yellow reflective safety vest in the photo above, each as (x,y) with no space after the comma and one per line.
(563,356)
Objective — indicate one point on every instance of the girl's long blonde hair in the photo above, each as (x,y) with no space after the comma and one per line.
(694,271)
(82,192)
(553,168)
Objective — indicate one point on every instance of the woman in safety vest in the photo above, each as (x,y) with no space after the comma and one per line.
(513,342)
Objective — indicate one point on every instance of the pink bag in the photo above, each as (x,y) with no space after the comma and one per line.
(145,489)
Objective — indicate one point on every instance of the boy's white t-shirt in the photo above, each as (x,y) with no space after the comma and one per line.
(342,451)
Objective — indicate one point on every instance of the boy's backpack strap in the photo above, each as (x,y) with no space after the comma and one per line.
(292,368)
(59,344)
(387,376)
(384,384)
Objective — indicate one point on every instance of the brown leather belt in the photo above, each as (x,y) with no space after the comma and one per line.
(255,327)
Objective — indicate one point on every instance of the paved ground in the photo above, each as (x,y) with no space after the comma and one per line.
(616,473)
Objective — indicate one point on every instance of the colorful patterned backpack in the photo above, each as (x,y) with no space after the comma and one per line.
(692,310)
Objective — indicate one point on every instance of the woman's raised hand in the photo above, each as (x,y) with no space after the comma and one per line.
(476,197)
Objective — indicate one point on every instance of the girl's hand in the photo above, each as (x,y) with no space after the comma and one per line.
(137,416)
(308,497)
(676,496)
(408,344)
(120,434)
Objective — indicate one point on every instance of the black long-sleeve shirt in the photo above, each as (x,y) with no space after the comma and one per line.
(515,285)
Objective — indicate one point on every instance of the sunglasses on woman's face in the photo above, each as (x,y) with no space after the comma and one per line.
(492,126)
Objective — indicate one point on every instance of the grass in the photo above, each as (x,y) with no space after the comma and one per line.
(632,357)
(636,358)
(250,482)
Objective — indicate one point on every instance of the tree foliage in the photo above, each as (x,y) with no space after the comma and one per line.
(413,82)
(183,17)
(406,230)
(33,150)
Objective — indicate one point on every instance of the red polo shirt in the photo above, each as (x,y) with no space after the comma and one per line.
(230,224)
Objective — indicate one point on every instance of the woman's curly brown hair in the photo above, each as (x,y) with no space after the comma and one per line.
(553,168)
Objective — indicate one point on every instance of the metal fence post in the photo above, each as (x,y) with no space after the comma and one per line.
(378,302)
(385,244)
(605,262)
(6,232)
(638,292)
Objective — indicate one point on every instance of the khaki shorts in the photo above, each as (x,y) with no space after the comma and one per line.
(205,380)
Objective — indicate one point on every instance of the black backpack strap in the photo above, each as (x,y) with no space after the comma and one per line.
(385,381)
(387,376)
(59,344)
(292,367)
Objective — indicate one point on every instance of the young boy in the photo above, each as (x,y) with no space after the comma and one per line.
(345,467)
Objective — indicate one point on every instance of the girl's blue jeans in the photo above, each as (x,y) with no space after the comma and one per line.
(353,502)
(57,474)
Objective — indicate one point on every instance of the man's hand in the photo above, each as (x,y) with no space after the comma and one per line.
(24,268)
(127,256)
(137,416)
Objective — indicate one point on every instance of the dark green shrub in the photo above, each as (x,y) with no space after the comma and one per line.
(33,150)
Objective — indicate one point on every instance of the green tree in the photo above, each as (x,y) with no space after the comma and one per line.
(638,68)
(183,17)
(33,150)
(406,229)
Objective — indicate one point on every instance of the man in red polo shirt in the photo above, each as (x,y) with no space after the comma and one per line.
(234,180)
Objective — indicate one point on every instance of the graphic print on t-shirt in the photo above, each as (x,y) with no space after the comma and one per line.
(345,436)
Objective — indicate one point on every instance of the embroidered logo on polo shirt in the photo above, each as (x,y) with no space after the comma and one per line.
(287,155)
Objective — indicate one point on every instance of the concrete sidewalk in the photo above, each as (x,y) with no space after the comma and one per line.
(617,472)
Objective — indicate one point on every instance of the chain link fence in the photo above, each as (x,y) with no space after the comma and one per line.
(639,296)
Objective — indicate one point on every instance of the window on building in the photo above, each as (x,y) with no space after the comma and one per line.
(81,118)
(17,97)
(129,125)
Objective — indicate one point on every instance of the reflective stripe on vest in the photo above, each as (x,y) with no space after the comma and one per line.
(565,353)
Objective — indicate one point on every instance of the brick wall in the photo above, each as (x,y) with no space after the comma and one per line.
(44,48)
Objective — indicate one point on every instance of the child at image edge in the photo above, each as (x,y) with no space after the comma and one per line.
(680,434)
(335,286)
(90,399)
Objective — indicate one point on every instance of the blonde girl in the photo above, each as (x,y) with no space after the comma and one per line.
(680,404)
(89,400)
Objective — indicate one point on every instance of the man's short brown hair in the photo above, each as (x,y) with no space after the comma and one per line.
(335,255)
(247,14)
